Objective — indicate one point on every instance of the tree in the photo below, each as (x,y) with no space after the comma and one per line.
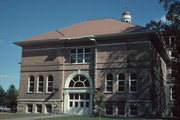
(99,103)
(170,32)
(2,96)
(11,96)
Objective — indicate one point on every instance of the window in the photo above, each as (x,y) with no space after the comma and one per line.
(50,83)
(40,83)
(121,109)
(79,81)
(133,83)
(39,108)
(29,108)
(81,55)
(121,82)
(109,83)
(109,109)
(31,84)
(48,108)
(172,93)
(79,99)
(133,110)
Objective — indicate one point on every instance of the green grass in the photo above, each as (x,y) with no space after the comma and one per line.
(84,118)
(21,115)
(16,115)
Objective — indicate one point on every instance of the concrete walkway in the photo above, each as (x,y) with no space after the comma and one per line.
(36,117)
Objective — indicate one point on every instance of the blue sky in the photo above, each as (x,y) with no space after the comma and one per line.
(21,19)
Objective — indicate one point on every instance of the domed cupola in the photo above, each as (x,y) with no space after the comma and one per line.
(126,16)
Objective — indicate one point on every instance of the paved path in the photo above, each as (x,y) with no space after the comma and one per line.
(36,117)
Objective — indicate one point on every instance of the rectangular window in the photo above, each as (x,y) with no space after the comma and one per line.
(29,108)
(121,109)
(31,84)
(133,85)
(133,110)
(70,104)
(39,108)
(172,93)
(40,84)
(50,83)
(81,55)
(109,86)
(120,85)
(49,108)
(109,109)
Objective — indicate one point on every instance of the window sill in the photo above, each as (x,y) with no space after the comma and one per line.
(108,92)
(30,92)
(48,92)
(39,92)
(119,92)
(80,63)
(133,92)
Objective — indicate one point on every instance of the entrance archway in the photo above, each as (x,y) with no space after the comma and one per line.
(78,94)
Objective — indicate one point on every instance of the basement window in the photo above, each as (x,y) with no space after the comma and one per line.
(29,108)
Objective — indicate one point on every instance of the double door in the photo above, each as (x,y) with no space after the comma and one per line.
(79,103)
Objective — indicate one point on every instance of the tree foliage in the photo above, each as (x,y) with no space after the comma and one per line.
(2,96)
(171,29)
(8,98)
(11,96)
(99,103)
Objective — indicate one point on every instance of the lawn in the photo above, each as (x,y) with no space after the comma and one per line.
(23,115)
(16,115)
(84,118)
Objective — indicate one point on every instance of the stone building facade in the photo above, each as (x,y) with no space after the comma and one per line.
(62,70)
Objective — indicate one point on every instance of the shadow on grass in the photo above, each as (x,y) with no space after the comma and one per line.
(17,115)
(86,118)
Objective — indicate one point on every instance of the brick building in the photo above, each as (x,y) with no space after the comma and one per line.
(62,70)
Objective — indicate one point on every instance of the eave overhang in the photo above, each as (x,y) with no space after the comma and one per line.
(81,39)
(157,43)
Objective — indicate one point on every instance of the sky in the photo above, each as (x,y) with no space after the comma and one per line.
(21,19)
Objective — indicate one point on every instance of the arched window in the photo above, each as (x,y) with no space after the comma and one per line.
(79,81)
(109,83)
(121,82)
(40,83)
(50,83)
(31,84)
(133,85)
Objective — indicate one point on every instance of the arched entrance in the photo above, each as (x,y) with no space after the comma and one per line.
(78,94)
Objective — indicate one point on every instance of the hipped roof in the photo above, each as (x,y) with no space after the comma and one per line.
(87,28)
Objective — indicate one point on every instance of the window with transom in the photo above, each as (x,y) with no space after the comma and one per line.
(109,83)
(79,81)
(133,85)
(81,55)
(31,84)
(121,82)
(172,92)
(40,83)
(50,83)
